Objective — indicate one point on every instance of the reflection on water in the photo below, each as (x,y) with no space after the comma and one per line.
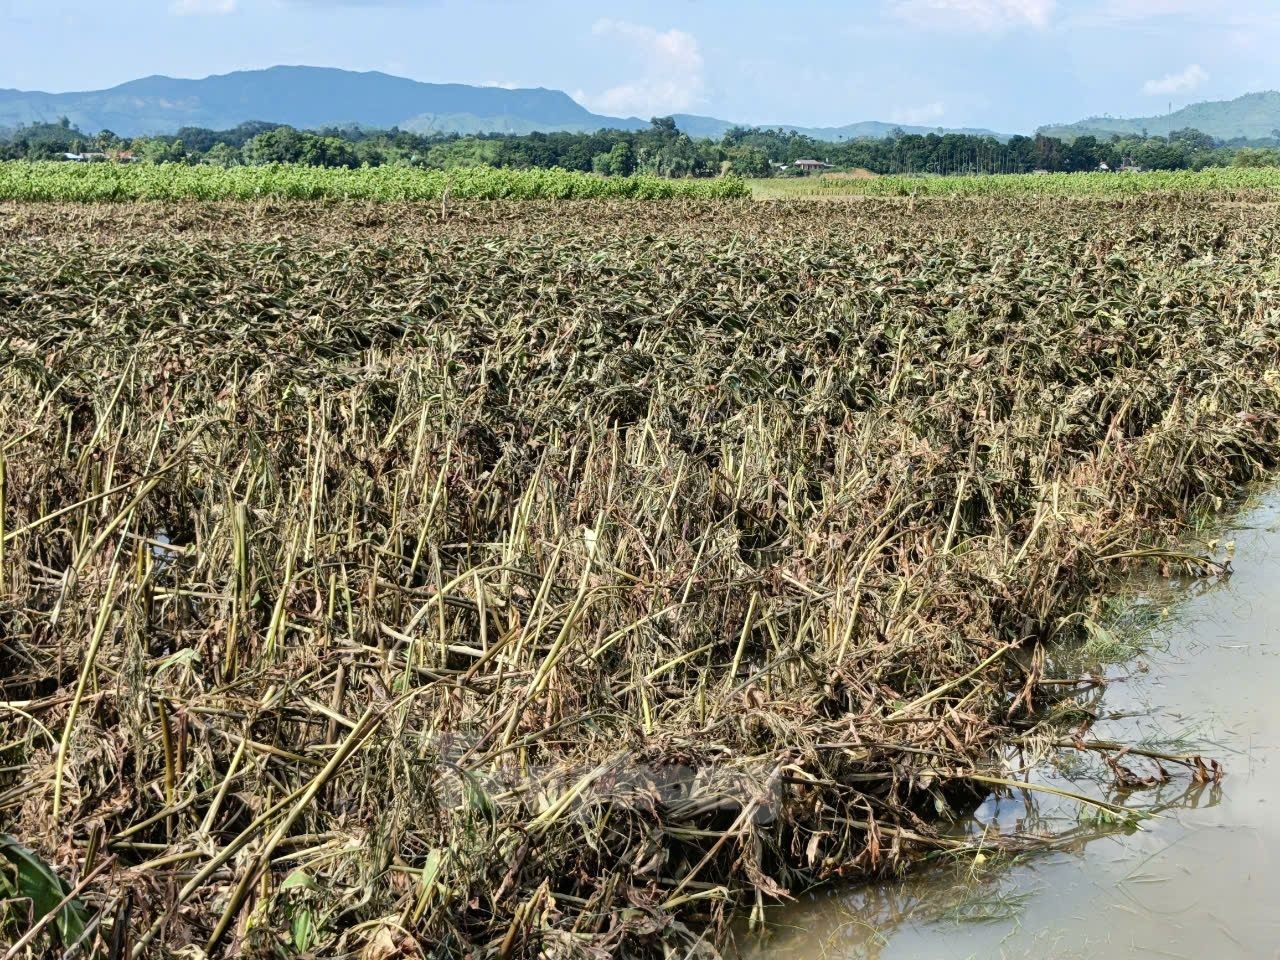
(1200,878)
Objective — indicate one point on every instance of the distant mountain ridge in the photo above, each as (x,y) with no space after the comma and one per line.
(1253,116)
(313,97)
(306,97)
(696,126)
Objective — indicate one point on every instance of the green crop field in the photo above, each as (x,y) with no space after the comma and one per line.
(1211,180)
(105,182)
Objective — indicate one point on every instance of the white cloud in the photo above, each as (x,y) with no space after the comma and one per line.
(1203,14)
(501,84)
(984,15)
(919,116)
(669,65)
(1142,9)
(198,8)
(1182,82)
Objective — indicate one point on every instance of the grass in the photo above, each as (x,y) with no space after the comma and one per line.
(1211,180)
(106,182)
(523,579)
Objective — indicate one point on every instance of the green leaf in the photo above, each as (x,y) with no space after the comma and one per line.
(8,880)
(299,880)
(35,881)
(477,799)
(303,929)
(431,869)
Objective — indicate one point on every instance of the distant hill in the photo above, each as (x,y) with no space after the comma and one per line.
(306,97)
(312,97)
(1253,116)
(697,126)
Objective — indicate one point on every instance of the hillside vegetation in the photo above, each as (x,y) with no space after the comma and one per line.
(1254,116)
(314,97)
(305,97)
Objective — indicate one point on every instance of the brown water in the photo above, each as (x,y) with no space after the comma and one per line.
(1201,879)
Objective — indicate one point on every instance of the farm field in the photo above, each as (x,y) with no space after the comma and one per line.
(108,182)
(517,579)
(1213,179)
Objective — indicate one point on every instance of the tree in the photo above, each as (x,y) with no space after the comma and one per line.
(287,145)
(1158,155)
(106,140)
(1192,139)
(664,125)
(1084,153)
(750,162)
(222,155)
(1048,153)
(1251,157)
(458,153)
(160,150)
(618,162)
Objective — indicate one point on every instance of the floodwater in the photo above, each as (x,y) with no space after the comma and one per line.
(1200,879)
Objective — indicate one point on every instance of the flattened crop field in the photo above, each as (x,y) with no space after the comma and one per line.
(539,579)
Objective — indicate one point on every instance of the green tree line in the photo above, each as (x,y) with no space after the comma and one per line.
(659,150)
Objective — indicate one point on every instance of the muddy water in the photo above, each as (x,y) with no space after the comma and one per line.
(1201,879)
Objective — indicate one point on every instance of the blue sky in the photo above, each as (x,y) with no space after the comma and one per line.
(1006,64)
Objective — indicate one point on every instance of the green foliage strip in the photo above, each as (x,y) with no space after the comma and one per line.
(106,182)
(1053,184)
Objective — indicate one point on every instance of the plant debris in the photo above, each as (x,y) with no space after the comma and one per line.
(539,579)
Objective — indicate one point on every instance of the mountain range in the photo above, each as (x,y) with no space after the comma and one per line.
(1254,116)
(314,97)
(714,129)
(307,98)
